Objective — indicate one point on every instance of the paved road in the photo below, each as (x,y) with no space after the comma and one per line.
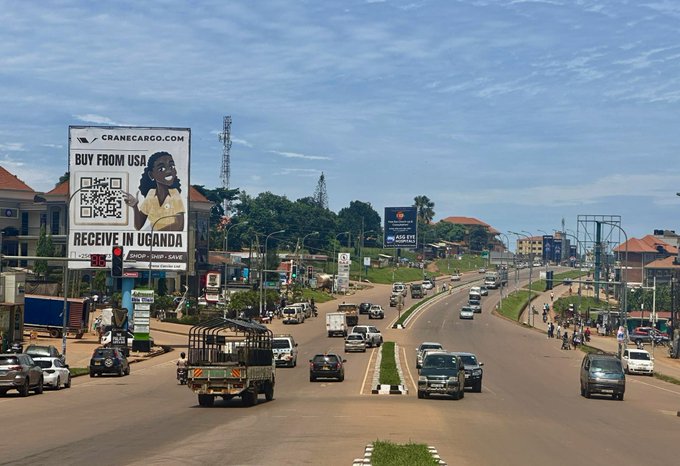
(529,411)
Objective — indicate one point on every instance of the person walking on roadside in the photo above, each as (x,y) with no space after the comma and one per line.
(548,330)
(559,331)
(552,295)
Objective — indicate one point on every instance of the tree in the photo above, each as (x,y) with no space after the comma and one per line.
(355,216)
(45,248)
(425,208)
(478,238)
(320,194)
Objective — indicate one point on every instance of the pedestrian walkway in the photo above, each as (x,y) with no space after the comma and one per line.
(663,364)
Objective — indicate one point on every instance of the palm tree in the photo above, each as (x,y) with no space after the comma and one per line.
(424,207)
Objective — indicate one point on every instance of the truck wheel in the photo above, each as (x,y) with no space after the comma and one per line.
(206,400)
(249,397)
(54,333)
(79,336)
(269,391)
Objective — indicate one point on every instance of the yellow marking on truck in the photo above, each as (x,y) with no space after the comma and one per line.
(236,373)
(198,372)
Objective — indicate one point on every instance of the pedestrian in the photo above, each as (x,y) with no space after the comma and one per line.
(559,330)
(552,295)
(548,330)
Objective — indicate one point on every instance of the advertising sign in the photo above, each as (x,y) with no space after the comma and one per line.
(547,248)
(557,248)
(129,187)
(344,263)
(401,227)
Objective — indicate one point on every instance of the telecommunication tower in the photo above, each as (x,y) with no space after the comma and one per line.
(225,138)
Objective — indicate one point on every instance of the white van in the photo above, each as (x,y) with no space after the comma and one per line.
(293,314)
(476,290)
(307,308)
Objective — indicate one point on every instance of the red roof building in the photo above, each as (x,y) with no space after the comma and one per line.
(644,258)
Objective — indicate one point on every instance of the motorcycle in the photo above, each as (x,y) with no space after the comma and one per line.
(182,374)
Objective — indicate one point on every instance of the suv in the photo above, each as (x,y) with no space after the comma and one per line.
(394,299)
(473,371)
(602,373)
(371,333)
(399,288)
(43,351)
(327,365)
(21,373)
(442,373)
(364,308)
(637,361)
(109,361)
(285,350)
(376,312)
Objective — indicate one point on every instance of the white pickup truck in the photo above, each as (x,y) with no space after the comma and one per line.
(371,333)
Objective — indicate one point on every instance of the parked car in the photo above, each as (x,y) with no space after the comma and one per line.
(646,334)
(19,372)
(455,277)
(426,345)
(602,373)
(327,366)
(55,373)
(637,361)
(43,351)
(108,361)
(364,308)
(355,342)
(441,373)
(466,312)
(473,371)
(376,312)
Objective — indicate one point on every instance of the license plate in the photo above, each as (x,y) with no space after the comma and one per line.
(97,363)
(325,368)
(607,391)
(437,385)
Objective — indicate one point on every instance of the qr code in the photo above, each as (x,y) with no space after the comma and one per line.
(99,200)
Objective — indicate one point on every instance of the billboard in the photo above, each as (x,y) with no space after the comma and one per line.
(547,248)
(557,250)
(401,227)
(129,187)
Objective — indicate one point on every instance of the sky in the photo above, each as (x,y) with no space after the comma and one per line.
(521,113)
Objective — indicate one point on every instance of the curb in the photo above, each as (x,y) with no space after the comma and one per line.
(382,389)
(368,454)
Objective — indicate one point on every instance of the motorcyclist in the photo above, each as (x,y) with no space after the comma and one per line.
(182,364)
(565,341)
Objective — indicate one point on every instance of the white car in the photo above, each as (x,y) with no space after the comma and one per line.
(55,372)
(466,312)
(376,312)
(455,277)
(428,285)
(355,342)
(285,350)
(424,347)
(106,338)
(636,361)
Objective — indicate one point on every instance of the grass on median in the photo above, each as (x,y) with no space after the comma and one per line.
(392,454)
(388,365)
(514,303)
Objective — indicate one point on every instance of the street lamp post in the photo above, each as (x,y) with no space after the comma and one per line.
(64,311)
(153,226)
(530,315)
(226,250)
(263,265)
(361,252)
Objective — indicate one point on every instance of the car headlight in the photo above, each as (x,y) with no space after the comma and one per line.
(476,372)
(453,379)
(422,380)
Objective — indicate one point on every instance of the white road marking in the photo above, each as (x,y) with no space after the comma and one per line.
(657,387)
(368,370)
(408,368)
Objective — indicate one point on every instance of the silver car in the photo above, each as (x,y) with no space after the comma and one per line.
(19,372)
(355,342)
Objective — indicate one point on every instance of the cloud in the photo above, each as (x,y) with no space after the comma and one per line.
(97,119)
(302,172)
(241,142)
(295,155)
(13,147)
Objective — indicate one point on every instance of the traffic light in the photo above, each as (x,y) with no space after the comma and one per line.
(293,271)
(117,266)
